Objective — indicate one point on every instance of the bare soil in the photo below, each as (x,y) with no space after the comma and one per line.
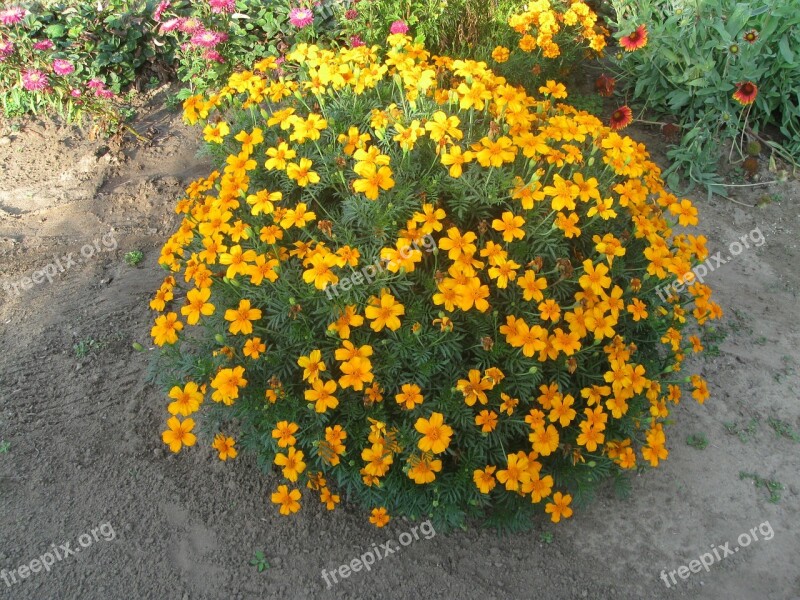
(83,427)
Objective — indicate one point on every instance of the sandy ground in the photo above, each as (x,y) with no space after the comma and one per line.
(82,427)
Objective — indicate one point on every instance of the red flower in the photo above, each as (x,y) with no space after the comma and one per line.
(605,85)
(751,36)
(621,118)
(746,92)
(636,40)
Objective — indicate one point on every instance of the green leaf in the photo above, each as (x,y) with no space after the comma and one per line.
(786,52)
(56,30)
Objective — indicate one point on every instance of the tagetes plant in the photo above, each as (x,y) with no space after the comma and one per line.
(416,286)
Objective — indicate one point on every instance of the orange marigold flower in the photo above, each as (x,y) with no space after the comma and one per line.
(288,500)
(379,517)
(559,507)
(224,445)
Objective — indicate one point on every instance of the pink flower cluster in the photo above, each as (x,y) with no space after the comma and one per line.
(100,89)
(159,11)
(62,67)
(222,6)
(12,15)
(301,17)
(398,27)
(44,45)
(200,36)
(34,80)
(6,49)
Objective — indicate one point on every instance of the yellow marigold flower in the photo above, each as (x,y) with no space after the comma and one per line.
(423,469)
(226,385)
(500,54)
(590,436)
(373,180)
(179,434)
(297,216)
(289,501)
(292,463)
(322,395)
(409,396)
(385,313)
(186,400)
(510,225)
(355,373)
(486,420)
(484,479)
(564,192)
(474,388)
(224,445)
(237,260)
(301,172)
(197,305)
(435,434)
(378,460)
(515,473)
(279,156)
(312,365)
(493,153)
(307,129)
(242,318)
(551,88)
(443,127)
(166,329)
(559,507)
(456,159)
(328,498)
(545,440)
(379,517)
(215,133)
(284,432)
(249,140)
(349,318)
(254,347)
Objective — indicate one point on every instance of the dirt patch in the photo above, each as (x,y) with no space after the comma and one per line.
(85,449)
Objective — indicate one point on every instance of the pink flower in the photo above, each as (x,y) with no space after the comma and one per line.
(104,93)
(62,67)
(34,80)
(44,45)
(301,17)
(162,6)
(75,93)
(213,55)
(222,6)
(170,25)
(190,25)
(398,27)
(6,49)
(12,15)
(351,14)
(356,41)
(95,84)
(208,39)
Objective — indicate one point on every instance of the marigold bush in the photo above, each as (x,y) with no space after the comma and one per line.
(414,286)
